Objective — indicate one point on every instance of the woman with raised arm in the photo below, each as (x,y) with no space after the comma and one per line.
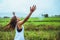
(17,24)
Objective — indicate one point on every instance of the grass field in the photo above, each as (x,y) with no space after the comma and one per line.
(35,29)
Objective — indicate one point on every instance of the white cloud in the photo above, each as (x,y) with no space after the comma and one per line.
(22,6)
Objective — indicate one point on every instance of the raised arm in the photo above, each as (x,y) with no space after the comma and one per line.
(14,14)
(32,9)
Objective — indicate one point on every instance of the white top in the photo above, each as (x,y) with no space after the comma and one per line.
(19,35)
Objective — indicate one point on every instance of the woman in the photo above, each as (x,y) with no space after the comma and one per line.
(17,24)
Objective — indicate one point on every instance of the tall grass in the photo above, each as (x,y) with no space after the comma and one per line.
(33,30)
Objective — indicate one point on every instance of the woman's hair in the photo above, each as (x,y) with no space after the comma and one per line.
(13,22)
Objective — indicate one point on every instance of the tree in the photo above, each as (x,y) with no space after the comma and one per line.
(45,15)
(6,17)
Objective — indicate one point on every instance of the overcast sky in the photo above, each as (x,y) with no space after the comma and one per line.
(22,7)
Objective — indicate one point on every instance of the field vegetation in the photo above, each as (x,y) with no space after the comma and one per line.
(35,29)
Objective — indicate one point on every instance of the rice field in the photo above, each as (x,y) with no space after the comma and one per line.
(35,29)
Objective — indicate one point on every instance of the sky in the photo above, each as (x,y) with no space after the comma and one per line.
(22,7)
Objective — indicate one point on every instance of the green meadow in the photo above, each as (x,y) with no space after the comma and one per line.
(35,29)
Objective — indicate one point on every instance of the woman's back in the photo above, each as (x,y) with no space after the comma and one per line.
(19,35)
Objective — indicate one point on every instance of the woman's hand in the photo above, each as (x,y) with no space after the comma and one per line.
(13,13)
(32,9)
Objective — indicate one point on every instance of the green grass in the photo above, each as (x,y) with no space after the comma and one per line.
(33,30)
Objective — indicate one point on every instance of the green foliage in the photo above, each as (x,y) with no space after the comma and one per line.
(35,29)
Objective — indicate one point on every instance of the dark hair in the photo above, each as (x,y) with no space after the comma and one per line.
(13,22)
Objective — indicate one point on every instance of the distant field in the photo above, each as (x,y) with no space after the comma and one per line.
(35,29)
